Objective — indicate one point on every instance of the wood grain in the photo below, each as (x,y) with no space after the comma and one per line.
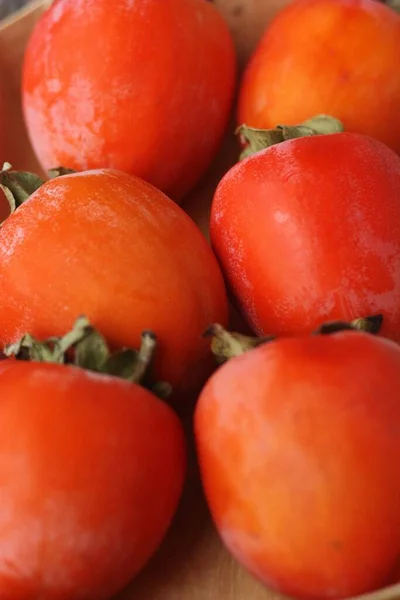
(192,563)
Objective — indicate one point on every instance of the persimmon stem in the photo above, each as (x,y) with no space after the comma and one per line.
(84,347)
(144,356)
(226,345)
(394,4)
(259,139)
(59,172)
(18,186)
(370,324)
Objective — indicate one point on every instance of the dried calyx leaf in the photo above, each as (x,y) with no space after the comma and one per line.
(370,324)
(86,348)
(59,171)
(18,186)
(226,345)
(394,4)
(259,139)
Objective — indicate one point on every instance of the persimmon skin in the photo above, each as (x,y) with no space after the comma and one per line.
(91,472)
(335,57)
(299,455)
(149,95)
(308,231)
(111,246)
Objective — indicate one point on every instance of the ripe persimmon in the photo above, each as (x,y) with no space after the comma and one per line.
(145,87)
(91,472)
(336,57)
(299,455)
(308,230)
(111,246)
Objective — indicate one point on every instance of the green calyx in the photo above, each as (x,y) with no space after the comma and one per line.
(259,139)
(59,172)
(18,186)
(370,324)
(87,349)
(226,345)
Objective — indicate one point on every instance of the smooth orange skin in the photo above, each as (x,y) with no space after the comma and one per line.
(112,247)
(300,459)
(335,57)
(308,231)
(145,87)
(91,471)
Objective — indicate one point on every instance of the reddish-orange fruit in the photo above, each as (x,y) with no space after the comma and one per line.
(335,57)
(111,246)
(299,450)
(308,231)
(145,87)
(91,471)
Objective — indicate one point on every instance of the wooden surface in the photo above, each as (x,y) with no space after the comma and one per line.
(191,564)
(9,6)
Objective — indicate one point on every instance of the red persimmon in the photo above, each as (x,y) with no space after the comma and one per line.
(308,231)
(91,471)
(299,450)
(144,87)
